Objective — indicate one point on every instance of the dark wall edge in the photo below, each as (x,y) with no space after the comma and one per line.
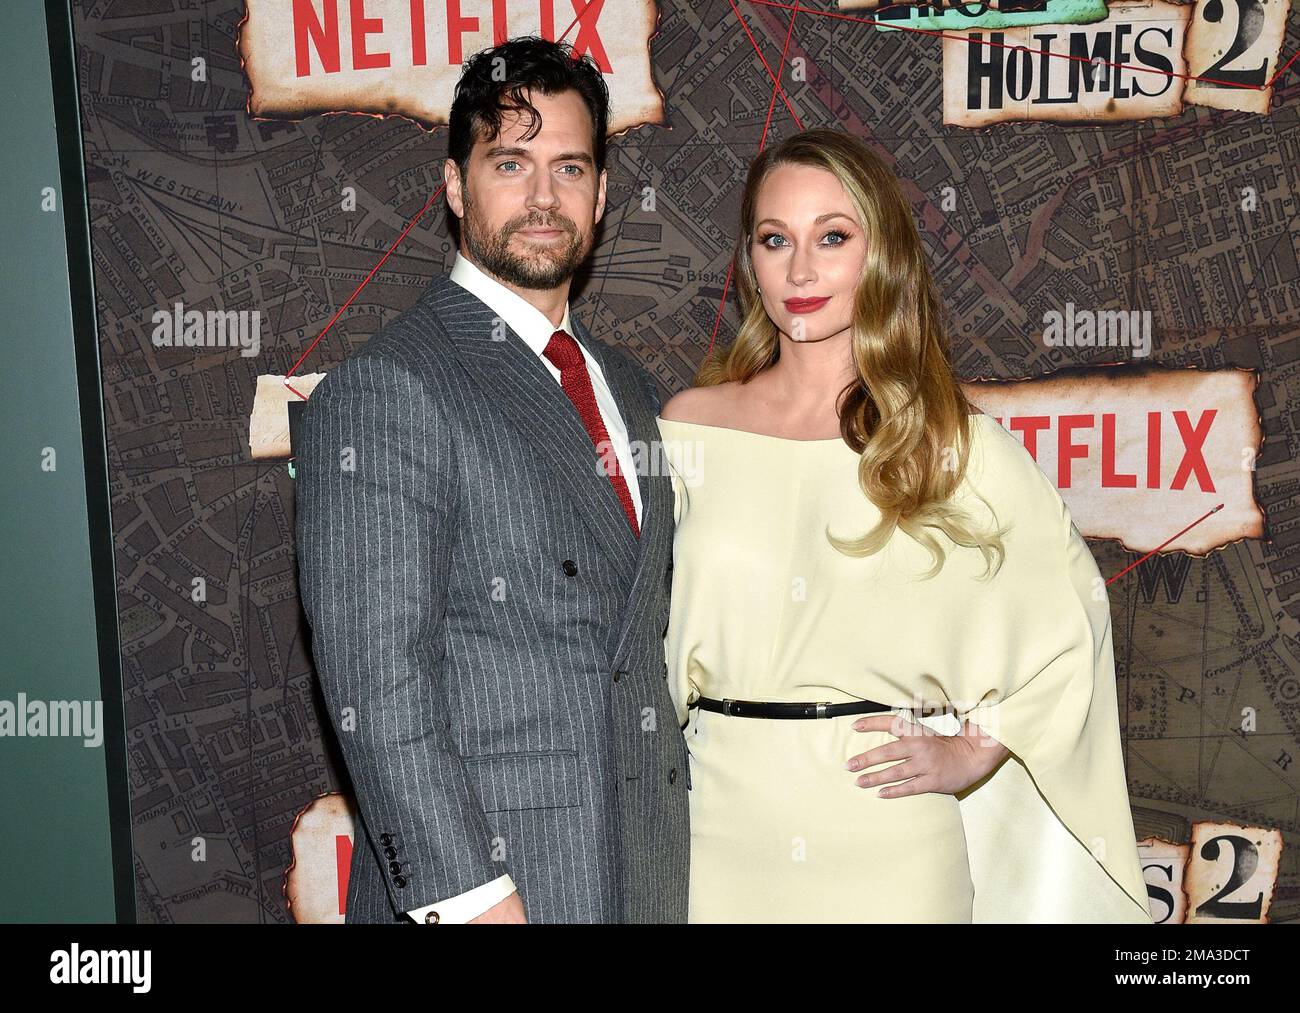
(76,224)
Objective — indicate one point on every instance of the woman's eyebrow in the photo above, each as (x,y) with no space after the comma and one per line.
(816,221)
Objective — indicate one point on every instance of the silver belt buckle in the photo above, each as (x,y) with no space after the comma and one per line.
(726,707)
(821,709)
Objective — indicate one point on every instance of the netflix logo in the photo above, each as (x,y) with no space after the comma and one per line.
(1078,436)
(1139,453)
(319,27)
(403,57)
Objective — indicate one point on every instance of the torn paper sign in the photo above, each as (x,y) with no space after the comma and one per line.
(316,882)
(404,58)
(268,425)
(1232,50)
(1125,67)
(1233,873)
(1164,868)
(948,16)
(1139,454)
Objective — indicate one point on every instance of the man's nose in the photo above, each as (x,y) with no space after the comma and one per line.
(541,194)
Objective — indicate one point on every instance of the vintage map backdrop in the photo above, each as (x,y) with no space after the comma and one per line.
(193,201)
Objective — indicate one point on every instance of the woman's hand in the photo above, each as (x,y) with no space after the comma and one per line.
(931,761)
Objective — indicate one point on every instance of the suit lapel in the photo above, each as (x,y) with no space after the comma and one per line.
(510,373)
(631,401)
(655,546)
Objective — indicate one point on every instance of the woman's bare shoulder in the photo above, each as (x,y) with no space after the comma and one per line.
(706,406)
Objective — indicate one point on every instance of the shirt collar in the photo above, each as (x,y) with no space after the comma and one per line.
(520,315)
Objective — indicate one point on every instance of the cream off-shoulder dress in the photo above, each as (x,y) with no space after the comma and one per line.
(765,608)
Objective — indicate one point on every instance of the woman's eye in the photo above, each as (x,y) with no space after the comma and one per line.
(773,240)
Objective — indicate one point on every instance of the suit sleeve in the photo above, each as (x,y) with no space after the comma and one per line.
(376,508)
(680,686)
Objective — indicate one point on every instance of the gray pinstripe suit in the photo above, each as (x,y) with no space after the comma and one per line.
(487,630)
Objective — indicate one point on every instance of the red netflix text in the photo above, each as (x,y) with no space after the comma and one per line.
(317,26)
(1077,436)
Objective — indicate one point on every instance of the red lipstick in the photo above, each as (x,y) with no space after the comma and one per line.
(806,305)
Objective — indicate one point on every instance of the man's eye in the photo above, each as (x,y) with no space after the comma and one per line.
(504,164)
(577,169)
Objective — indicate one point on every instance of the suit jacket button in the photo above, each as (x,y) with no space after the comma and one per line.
(390,852)
(432,918)
(399,881)
(570,567)
(394,868)
(385,839)
(672,776)
(617,675)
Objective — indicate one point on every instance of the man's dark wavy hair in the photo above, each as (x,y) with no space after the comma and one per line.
(530,64)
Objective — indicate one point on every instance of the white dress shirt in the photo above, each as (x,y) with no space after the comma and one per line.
(531,324)
(535,329)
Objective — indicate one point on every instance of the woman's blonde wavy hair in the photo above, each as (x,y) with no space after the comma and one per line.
(905,413)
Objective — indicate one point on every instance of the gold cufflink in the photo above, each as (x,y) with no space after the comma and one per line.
(432,918)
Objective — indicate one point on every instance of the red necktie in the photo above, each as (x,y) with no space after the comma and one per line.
(563,351)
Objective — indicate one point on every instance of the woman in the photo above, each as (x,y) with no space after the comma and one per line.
(853,536)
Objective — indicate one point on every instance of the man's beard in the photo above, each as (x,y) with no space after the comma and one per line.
(546,268)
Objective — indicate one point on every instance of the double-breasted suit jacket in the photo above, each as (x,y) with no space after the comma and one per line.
(487,629)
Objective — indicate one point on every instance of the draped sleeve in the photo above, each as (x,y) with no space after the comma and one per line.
(1050,832)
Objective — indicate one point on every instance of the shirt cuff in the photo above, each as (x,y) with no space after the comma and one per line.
(470,904)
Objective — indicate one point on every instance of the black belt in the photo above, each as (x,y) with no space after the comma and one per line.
(756,709)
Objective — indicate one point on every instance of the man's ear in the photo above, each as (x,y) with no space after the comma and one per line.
(600,196)
(451,176)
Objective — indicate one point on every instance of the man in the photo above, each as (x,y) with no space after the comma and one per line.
(485,571)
